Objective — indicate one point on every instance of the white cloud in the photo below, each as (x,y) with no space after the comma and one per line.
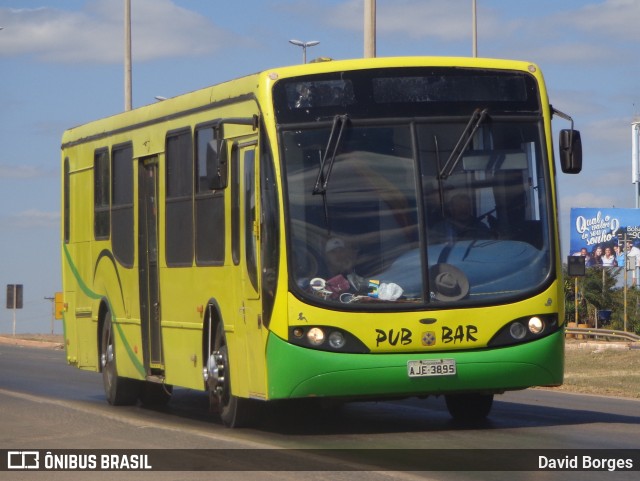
(33,218)
(160,29)
(610,132)
(420,19)
(565,52)
(23,172)
(588,199)
(576,36)
(600,33)
(619,18)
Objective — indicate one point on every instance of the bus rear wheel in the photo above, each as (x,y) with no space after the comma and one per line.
(469,407)
(234,411)
(120,391)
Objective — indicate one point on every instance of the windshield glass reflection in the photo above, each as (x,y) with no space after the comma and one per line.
(400,224)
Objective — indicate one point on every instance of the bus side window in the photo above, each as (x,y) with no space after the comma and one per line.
(205,140)
(67,201)
(179,198)
(122,203)
(101,194)
(209,204)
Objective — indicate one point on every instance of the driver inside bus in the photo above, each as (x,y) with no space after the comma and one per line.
(340,257)
(461,223)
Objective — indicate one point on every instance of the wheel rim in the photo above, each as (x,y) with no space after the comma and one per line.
(106,358)
(217,374)
(220,376)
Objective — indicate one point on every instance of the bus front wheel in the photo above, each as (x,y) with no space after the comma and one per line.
(469,407)
(234,411)
(120,391)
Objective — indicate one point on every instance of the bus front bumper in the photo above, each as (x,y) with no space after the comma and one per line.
(297,372)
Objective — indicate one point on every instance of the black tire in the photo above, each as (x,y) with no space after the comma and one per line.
(154,394)
(120,391)
(469,407)
(234,412)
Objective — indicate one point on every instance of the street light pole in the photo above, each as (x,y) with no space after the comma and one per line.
(635,158)
(304,46)
(127,54)
(474,28)
(369,28)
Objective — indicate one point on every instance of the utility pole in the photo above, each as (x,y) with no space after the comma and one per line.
(369,28)
(127,54)
(474,28)
(635,158)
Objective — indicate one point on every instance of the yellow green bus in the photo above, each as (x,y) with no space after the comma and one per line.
(341,230)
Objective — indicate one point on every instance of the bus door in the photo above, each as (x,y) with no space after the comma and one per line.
(247,237)
(148,263)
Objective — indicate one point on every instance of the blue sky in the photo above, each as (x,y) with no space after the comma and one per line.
(61,66)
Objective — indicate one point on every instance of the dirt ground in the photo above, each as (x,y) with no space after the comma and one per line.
(54,341)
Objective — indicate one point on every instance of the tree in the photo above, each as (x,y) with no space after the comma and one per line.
(600,289)
(596,291)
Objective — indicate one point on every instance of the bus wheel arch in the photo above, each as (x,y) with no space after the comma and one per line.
(212,318)
(233,411)
(120,391)
(103,309)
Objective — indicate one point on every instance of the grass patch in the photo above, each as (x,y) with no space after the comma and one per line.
(607,372)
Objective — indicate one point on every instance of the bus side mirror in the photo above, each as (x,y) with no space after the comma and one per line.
(217,165)
(570,151)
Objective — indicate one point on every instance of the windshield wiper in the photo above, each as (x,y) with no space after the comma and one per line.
(322,180)
(475,121)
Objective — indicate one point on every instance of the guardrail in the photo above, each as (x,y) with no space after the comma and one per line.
(587,331)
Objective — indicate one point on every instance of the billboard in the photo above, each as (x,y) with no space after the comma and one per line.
(598,233)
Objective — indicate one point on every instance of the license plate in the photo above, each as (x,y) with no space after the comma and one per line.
(431,367)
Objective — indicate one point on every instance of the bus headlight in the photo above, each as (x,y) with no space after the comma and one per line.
(525,329)
(326,338)
(315,336)
(336,340)
(518,331)
(536,326)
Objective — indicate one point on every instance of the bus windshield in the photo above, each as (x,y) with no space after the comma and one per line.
(415,191)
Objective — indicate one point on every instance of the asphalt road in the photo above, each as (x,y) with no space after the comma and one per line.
(45,404)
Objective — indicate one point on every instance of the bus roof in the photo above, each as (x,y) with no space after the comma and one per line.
(251,86)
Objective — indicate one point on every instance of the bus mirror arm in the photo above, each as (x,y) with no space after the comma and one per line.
(216,157)
(570,146)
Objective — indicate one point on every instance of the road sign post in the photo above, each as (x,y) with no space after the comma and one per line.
(14,301)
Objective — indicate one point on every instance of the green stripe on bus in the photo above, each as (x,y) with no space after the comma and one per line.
(94,295)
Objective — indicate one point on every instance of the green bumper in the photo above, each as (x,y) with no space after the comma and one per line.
(296,372)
